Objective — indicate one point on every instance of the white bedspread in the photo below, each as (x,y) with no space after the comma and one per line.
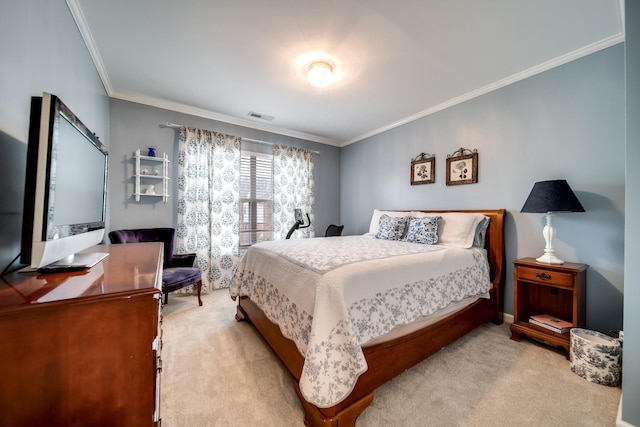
(333,295)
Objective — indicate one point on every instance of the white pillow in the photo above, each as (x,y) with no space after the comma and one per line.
(377,213)
(457,229)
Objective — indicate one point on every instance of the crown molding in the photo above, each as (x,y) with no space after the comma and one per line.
(207,114)
(79,18)
(83,27)
(621,16)
(545,66)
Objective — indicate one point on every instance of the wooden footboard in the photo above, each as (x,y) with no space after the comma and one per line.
(389,359)
(385,361)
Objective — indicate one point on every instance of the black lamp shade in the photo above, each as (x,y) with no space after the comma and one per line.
(552,196)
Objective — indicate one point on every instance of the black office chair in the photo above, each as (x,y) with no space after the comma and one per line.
(178,270)
(334,230)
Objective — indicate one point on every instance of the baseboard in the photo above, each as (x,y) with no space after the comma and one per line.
(508,318)
(619,422)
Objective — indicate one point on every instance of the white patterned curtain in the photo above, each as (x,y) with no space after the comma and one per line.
(208,203)
(293,185)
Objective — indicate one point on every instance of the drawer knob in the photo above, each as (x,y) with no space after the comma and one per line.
(543,276)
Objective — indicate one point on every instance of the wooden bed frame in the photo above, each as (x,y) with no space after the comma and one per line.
(389,359)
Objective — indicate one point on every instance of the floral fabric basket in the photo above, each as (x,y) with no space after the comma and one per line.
(596,357)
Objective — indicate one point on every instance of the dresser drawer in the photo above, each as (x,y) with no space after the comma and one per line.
(545,276)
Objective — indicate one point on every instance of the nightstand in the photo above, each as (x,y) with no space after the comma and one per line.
(554,289)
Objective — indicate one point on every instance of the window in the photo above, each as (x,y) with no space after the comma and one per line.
(256,198)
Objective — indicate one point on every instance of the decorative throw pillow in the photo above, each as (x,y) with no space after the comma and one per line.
(456,229)
(377,213)
(423,230)
(391,228)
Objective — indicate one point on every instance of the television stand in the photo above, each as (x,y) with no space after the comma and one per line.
(81,259)
(76,262)
(83,349)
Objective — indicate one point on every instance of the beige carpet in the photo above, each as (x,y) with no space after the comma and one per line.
(218,372)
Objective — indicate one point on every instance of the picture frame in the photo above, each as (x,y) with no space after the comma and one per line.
(423,169)
(462,167)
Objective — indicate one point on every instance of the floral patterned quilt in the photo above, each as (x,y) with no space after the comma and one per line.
(333,295)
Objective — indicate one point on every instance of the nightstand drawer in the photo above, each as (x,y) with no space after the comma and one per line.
(545,276)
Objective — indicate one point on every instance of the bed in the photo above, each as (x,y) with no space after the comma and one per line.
(347,314)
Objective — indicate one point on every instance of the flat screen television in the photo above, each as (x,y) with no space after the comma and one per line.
(65,188)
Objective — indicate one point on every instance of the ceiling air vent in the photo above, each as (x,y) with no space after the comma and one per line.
(255,115)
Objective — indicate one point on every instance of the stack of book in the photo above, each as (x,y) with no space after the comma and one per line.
(551,322)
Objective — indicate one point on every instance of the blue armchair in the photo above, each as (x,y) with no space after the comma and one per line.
(178,270)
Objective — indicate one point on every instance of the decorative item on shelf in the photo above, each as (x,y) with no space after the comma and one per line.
(150,191)
(423,169)
(156,172)
(549,197)
(144,171)
(151,152)
(462,167)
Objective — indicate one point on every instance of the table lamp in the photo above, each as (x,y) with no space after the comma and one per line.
(549,197)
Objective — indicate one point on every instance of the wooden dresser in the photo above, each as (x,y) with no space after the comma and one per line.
(83,348)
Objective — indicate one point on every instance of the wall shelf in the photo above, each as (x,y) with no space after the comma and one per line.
(151,176)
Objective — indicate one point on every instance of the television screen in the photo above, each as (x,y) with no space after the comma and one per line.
(79,183)
(65,186)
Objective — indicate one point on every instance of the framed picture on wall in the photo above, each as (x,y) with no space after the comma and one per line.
(423,169)
(462,167)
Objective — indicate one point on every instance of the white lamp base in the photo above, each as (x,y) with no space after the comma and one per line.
(549,233)
(549,258)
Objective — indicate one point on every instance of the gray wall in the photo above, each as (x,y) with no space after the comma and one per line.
(566,123)
(42,51)
(631,356)
(135,126)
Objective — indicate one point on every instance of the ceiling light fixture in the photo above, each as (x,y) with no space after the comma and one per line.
(320,74)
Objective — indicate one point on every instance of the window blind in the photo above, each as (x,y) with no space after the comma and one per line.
(256,198)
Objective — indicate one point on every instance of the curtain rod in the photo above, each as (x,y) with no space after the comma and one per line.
(257,141)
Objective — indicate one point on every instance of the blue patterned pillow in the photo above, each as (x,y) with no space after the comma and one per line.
(423,230)
(391,228)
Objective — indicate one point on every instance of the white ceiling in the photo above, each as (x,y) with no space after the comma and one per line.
(401,59)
